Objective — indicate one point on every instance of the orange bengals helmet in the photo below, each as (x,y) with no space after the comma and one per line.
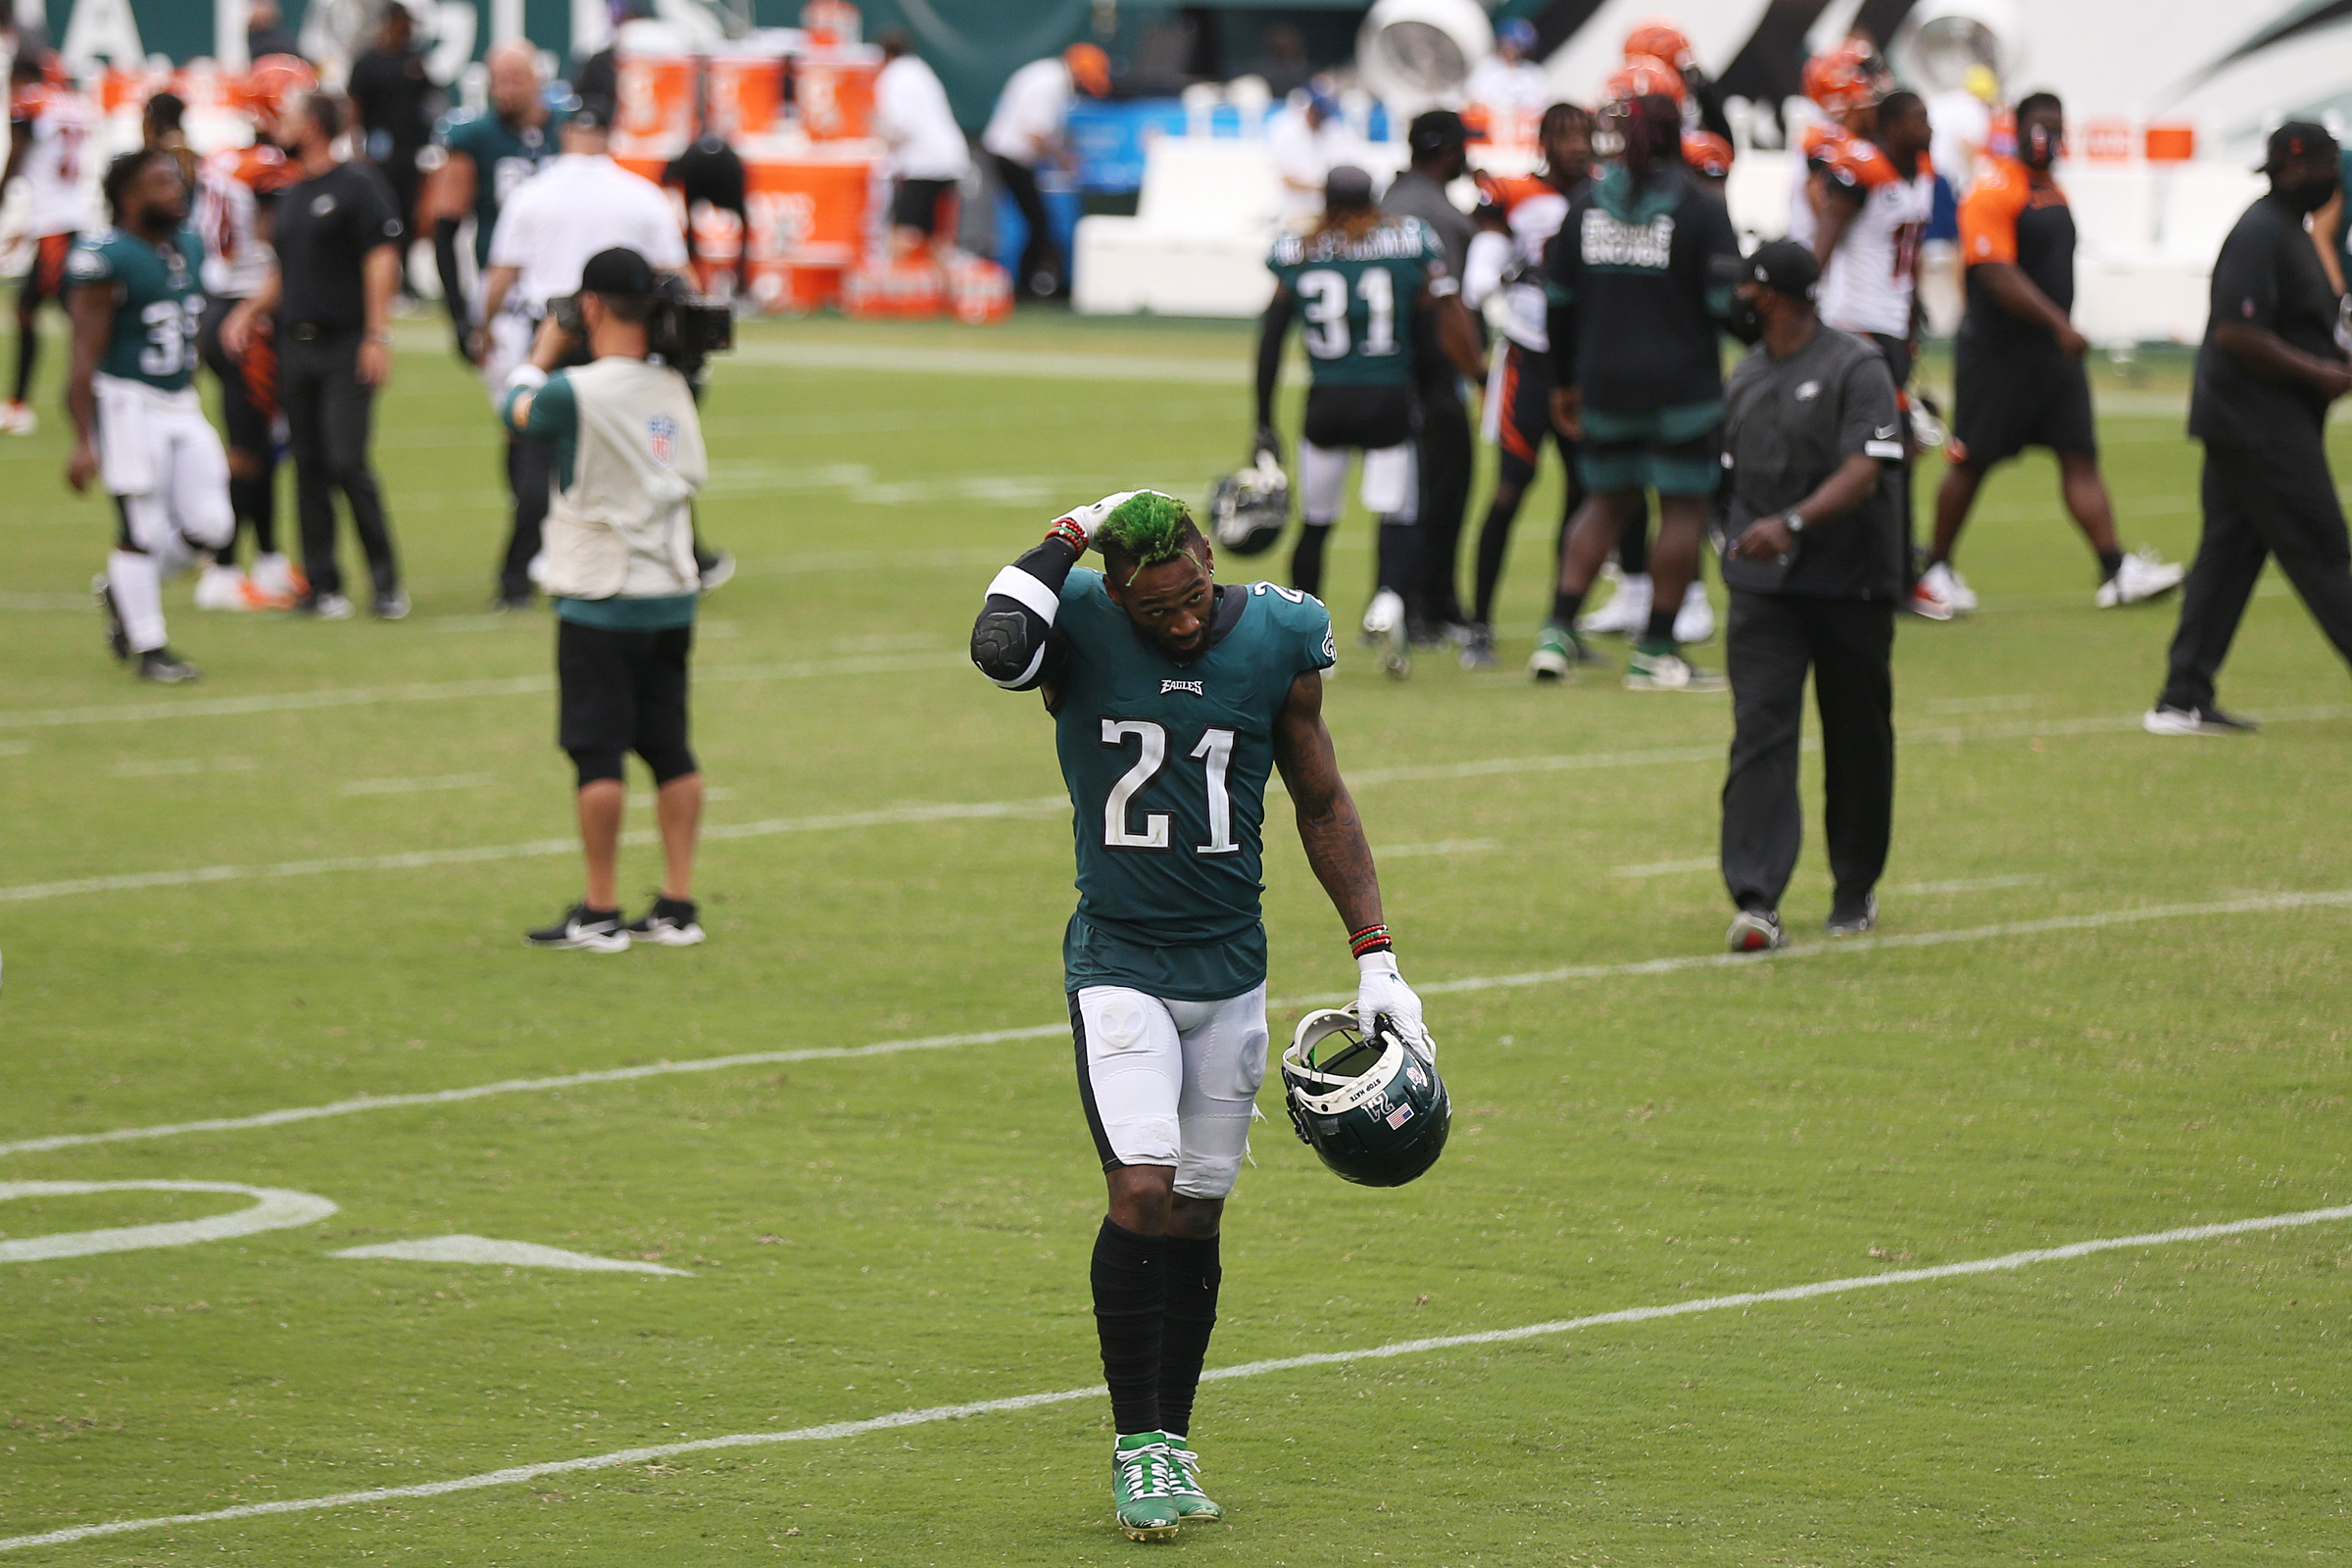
(1847,78)
(1642,79)
(274,82)
(1708,154)
(1661,40)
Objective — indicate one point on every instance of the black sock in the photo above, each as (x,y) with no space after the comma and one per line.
(1565,608)
(29,354)
(1130,1301)
(1306,560)
(1189,1267)
(1661,621)
(2111,561)
(1398,554)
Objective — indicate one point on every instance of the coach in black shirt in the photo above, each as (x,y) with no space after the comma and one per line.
(1440,146)
(2270,364)
(396,103)
(338,238)
(1813,554)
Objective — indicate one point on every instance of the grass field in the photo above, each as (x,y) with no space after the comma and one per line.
(2107,998)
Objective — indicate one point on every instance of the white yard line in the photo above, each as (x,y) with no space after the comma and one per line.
(2259,903)
(1231,369)
(450,691)
(1574,762)
(515,1475)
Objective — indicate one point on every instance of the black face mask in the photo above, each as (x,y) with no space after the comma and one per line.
(1744,322)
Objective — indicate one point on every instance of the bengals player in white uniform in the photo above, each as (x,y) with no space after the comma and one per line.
(234,191)
(53,135)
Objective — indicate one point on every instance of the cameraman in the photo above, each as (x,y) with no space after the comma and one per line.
(620,570)
(578,204)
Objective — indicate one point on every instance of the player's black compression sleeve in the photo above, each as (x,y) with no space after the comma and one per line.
(1013,643)
(453,282)
(1272,328)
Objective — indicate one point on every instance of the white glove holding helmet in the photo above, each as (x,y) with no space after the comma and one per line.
(1087,518)
(1381,990)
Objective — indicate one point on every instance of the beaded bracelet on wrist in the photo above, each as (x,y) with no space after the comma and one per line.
(1371,939)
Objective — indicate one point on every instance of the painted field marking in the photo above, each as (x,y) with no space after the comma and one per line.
(1972,884)
(175,766)
(414,786)
(1702,862)
(446,691)
(514,1254)
(1443,846)
(1223,370)
(273,1208)
(2260,903)
(1980,705)
(515,1475)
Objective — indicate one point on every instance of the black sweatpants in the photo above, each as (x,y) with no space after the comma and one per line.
(329,411)
(1848,644)
(1445,459)
(530,478)
(2277,501)
(1040,254)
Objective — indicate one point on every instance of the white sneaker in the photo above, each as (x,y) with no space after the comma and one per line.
(274,575)
(1956,589)
(1626,614)
(220,588)
(329,607)
(1931,596)
(1383,627)
(1694,622)
(18,418)
(2143,575)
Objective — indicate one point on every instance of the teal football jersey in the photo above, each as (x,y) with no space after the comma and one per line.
(1167,767)
(504,157)
(1357,298)
(159,303)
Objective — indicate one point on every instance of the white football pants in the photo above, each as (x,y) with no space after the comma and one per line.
(162,460)
(1172,1083)
(1391,484)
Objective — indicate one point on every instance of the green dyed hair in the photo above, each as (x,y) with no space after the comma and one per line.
(1149,529)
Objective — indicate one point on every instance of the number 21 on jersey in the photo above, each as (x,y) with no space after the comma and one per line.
(1214,754)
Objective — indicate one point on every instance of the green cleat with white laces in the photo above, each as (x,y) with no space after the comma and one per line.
(1191,1502)
(1143,1483)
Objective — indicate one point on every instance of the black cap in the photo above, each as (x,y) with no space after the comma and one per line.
(1346,187)
(592,113)
(619,271)
(1786,268)
(2294,139)
(1435,132)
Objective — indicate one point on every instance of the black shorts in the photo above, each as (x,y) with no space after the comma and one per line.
(622,692)
(917,204)
(1897,352)
(2003,404)
(1367,418)
(248,381)
(1523,410)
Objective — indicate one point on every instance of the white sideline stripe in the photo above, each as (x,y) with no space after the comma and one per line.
(449,690)
(516,1474)
(412,860)
(2253,904)
(1223,370)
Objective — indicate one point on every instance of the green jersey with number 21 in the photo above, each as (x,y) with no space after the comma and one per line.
(1167,767)
(1357,298)
(159,303)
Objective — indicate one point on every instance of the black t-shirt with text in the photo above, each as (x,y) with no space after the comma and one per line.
(2268,276)
(1636,294)
(1789,425)
(325,228)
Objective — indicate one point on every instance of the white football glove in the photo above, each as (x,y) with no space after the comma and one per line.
(1379,989)
(1087,518)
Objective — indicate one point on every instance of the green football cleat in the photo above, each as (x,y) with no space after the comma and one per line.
(1191,1502)
(1556,654)
(1143,1487)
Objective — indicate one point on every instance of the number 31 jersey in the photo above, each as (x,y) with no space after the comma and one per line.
(1167,765)
(159,303)
(1357,298)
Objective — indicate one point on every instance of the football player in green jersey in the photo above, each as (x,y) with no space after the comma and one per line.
(137,300)
(1174,698)
(1359,284)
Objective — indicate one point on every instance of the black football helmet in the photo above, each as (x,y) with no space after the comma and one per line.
(1247,509)
(1369,1103)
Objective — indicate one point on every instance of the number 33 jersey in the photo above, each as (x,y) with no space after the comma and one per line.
(159,303)
(1167,765)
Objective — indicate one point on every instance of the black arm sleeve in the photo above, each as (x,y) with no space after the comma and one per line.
(1013,643)
(1272,328)
(453,281)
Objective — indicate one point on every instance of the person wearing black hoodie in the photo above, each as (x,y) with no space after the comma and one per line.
(1640,283)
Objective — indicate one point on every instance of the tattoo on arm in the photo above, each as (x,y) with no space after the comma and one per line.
(1329,830)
